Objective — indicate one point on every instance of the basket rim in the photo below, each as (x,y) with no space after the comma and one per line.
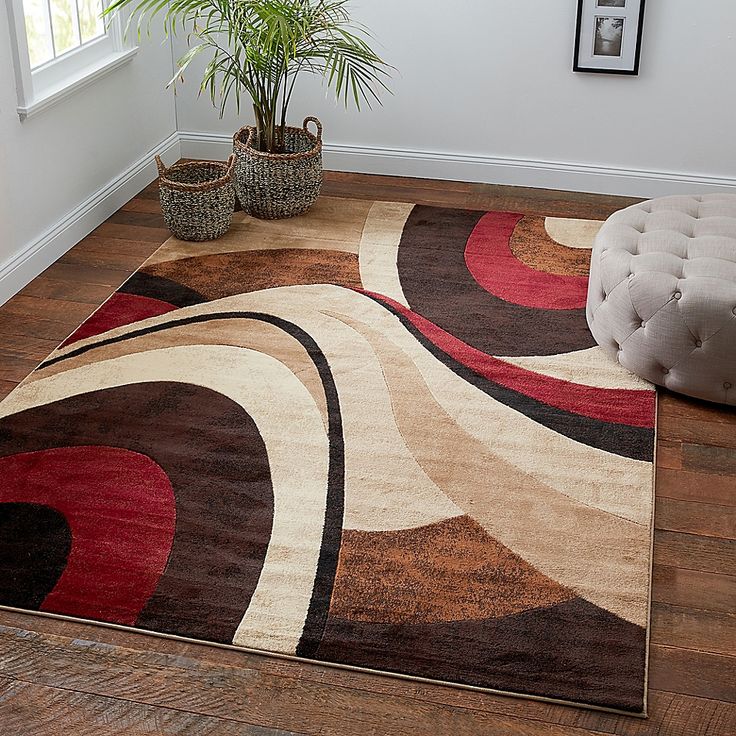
(242,145)
(204,186)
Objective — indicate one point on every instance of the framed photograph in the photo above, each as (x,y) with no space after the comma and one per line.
(608,36)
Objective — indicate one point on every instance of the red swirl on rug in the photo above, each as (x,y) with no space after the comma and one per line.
(496,269)
(620,406)
(119,310)
(120,508)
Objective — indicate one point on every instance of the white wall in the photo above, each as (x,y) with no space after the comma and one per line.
(67,168)
(485,92)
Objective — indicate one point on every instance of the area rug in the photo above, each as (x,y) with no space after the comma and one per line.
(378,435)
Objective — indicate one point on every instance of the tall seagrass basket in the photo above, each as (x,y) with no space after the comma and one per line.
(272,186)
(197,198)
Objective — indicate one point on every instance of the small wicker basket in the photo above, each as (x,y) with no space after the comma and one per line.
(197,198)
(272,186)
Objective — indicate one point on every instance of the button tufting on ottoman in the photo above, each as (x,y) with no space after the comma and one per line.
(662,293)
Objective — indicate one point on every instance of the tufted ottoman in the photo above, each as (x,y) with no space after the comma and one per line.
(662,293)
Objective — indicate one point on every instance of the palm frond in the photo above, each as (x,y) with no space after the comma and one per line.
(259,48)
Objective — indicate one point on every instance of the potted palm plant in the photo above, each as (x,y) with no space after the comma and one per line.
(257,49)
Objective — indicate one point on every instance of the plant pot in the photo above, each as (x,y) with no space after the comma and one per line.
(272,186)
(197,198)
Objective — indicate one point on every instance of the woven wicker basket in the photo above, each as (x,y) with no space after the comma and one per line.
(197,198)
(272,186)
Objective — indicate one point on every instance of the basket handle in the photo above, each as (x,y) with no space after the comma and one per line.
(317,123)
(161,166)
(230,165)
(241,140)
(251,135)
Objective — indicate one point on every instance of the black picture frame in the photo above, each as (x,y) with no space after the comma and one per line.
(576,65)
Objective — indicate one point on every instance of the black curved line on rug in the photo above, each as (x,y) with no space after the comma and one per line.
(161,289)
(620,439)
(332,532)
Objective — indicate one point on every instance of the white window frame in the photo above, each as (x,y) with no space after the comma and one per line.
(55,80)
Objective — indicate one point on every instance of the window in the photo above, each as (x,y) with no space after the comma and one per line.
(54,27)
(60,46)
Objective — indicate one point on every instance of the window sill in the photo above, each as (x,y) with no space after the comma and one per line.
(52,95)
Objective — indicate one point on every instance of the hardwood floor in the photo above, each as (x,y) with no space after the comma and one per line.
(59,677)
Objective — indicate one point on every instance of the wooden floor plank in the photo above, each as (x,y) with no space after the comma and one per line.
(69,289)
(703,458)
(704,631)
(6,387)
(705,432)
(351,180)
(696,517)
(60,310)
(25,346)
(151,191)
(139,204)
(35,327)
(33,710)
(110,258)
(694,589)
(669,455)
(101,245)
(139,218)
(693,552)
(153,195)
(688,485)
(428,197)
(86,274)
(14,368)
(678,407)
(131,232)
(700,674)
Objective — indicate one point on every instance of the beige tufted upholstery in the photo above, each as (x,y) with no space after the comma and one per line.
(662,294)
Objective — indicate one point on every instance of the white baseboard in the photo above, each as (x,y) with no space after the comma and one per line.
(38,255)
(487,169)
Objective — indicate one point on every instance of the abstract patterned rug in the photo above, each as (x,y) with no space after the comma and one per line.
(378,435)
